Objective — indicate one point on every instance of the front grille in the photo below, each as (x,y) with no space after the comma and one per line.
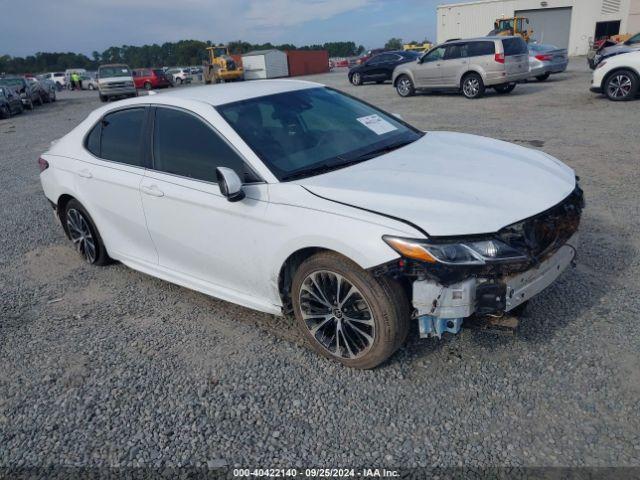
(543,234)
(115,85)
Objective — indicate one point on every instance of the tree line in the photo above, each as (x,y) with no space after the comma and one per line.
(184,52)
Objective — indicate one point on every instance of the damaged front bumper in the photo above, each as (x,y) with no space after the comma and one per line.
(440,308)
(444,295)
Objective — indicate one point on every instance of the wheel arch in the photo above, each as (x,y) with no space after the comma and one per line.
(616,70)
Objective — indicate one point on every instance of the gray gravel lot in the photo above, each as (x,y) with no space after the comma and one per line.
(108,367)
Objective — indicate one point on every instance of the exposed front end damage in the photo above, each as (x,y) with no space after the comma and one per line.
(445,294)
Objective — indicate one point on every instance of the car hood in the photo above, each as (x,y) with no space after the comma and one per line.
(616,50)
(451,184)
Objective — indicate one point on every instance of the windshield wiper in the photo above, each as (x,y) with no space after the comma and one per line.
(324,168)
(378,151)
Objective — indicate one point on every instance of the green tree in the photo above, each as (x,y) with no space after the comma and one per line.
(394,44)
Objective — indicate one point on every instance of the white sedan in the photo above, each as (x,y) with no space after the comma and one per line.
(618,77)
(287,196)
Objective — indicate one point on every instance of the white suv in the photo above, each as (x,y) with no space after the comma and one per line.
(286,196)
(618,77)
(180,75)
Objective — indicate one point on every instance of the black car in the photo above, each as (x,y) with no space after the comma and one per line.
(28,95)
(10,102)
(380,67)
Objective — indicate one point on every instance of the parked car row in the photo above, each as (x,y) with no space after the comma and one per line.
(469,66)
(18,93)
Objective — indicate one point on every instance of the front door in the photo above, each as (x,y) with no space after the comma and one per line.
(427,72)
(198,233)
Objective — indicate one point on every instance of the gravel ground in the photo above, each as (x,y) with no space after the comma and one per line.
(110,367)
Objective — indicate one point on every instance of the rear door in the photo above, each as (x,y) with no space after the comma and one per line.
(454,65)
(516,56)
(109,172)
(427,72)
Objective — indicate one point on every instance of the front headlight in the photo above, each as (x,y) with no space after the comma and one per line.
(455,253)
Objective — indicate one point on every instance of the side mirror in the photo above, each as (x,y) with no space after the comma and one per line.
(230,184)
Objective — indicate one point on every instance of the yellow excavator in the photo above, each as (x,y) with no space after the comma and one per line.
(220,66)
(512,26)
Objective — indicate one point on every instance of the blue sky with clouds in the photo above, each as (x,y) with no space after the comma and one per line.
(87,25)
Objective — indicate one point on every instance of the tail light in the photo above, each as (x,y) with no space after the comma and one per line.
(43,164)
(544,58)
(500,57)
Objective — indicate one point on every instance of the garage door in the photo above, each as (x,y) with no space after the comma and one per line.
(550,25)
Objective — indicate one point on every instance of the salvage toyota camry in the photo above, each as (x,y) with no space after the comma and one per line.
(290,197)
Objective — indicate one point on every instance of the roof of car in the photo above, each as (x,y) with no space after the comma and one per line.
(480,39)
(223,93)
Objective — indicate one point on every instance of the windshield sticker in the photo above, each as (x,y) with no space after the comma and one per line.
(377,124)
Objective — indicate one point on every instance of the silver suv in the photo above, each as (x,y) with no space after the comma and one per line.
(469,65)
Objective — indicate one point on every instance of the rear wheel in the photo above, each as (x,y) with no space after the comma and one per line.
(404,86)
(543,77)
(621,86)
(91,87)
(30,105)
(83,233)
(347,314)
(504,89)
(356,79)
(473,86)
(103,98)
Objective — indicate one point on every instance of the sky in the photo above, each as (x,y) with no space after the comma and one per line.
(83,26)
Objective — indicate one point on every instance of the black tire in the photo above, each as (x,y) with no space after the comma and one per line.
(543,78)
(20,107)
(404,86)
(472,86)
(147,85)
(5,111)
(74,229)
(180,81)
(366,342)
(621,86)
(39,101)
(356,79)
(53,96)
(104,98)
(30,105)
(505,89)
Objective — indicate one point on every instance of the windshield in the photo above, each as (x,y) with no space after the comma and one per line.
(109,72)
(311,131)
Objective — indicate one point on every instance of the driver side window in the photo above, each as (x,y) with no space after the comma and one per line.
(434,55)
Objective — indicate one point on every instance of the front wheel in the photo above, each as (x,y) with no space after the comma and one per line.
(622,86)
(356,79)
(544,77)
(473,86)
(91,87)
(147,86)
(5,111)
(103,98)
(83,233)
(504,89)
(348,315)
(404,86)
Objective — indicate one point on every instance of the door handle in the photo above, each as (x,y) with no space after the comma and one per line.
(85,173)
(152,190)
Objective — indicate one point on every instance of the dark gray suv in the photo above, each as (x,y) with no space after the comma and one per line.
(467,65)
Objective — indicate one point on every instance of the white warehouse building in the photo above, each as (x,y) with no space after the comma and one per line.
(569,24)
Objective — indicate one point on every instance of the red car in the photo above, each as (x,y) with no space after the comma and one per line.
(149,78)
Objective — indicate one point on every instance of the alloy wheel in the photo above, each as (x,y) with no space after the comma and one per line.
(620,86)
(404,86)
(471,87)
(81,236)
(356,79)
(337,314)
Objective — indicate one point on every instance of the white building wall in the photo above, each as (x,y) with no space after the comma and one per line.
(277,65)
(254,67)
(475,19)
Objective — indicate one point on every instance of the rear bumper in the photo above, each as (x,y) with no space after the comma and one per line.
(549,68)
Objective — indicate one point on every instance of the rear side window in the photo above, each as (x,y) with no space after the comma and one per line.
(515,46)
(118,137)
(478,49)
(184,145)
(458,50)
